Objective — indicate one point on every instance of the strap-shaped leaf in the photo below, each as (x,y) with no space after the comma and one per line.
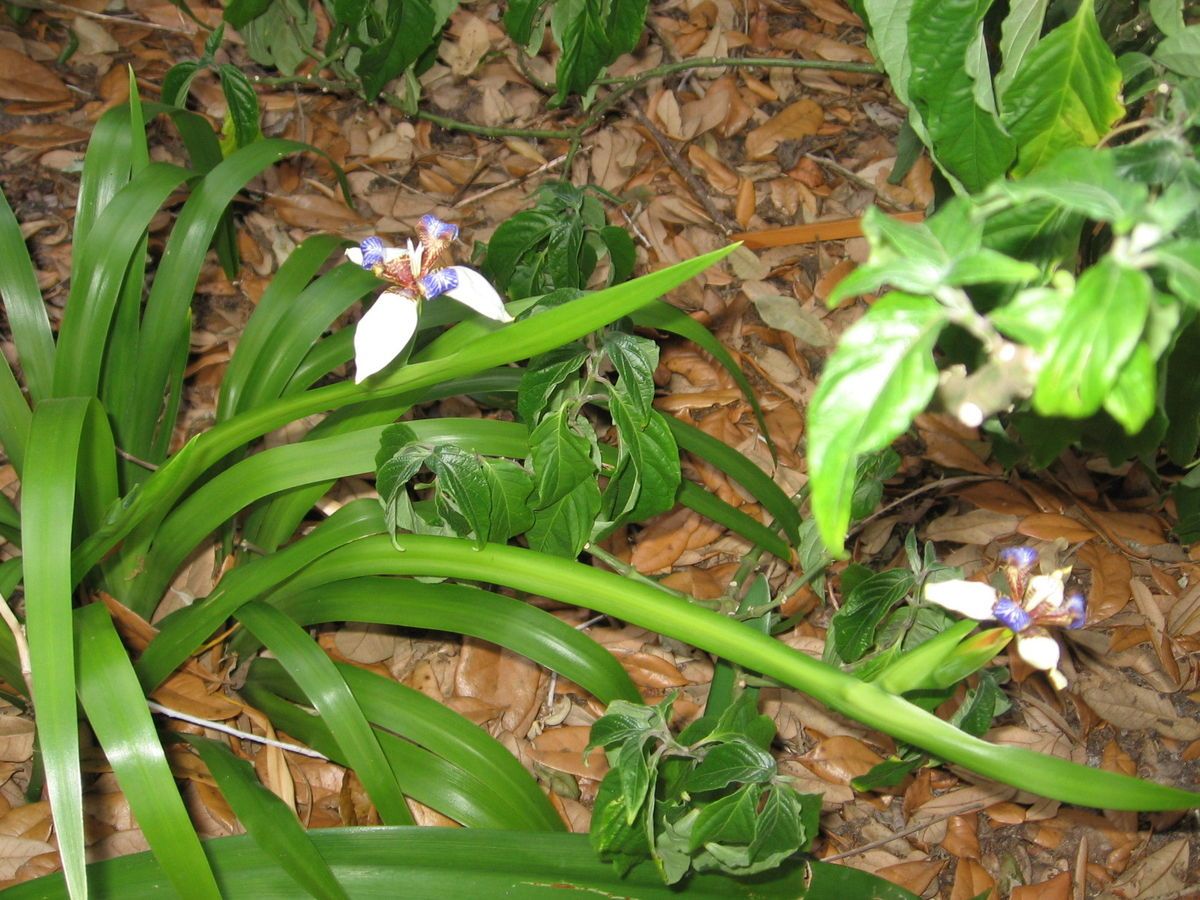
(274,827)
(116,708)
(23,306)
(325,687)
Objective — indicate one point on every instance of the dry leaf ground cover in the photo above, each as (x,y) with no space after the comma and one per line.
(786,160)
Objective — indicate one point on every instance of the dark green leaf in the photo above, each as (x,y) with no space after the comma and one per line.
(738,760)
(966,139)
(1180,52)
(730,819)
(854,624)
(464,492)
(239,13)
(408,33)
(582,34)
(513,239)
(542,378)
(178,80)
(561,456)
(243,104)
(635,359)
(563,527)
(511,495)
(621,252)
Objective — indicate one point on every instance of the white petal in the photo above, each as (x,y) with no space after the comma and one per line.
(1039,650)
(1044,589)
(972,599)
(382,333)
(477,292)
(354,254)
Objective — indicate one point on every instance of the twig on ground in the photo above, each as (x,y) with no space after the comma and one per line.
(680,165)
(234,732)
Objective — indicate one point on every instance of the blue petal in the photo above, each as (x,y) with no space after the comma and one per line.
(435,229)
(372,251)
(1011,615)
(1077,607)
(437,283)
(1022,557)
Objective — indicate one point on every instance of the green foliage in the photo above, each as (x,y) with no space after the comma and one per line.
(373,42)
(709,799)
(242,112)
(591,34)
(1054,352)
(557,244)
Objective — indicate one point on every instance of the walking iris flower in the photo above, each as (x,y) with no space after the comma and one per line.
(1035,602)
(416,273)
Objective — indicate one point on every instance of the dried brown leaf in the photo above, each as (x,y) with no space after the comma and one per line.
(802,118)
(1050,526)
(970,880)
(23,79)
(1135,708)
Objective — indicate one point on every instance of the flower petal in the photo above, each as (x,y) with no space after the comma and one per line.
(1045,590)
(475,291)
(1041,651)
(383,332)
(1011,615)
(355,255)
(972,599)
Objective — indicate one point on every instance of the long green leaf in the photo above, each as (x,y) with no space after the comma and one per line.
(448,862)
(103,261)
(185,630)
(276,303)
(116,708)
(274,827)
(648,607)
(741,470)
(23,306)
(165,321)
(455,792)
(48,504)
(325,687)
(525,629)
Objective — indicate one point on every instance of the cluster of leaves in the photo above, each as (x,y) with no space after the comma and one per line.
(710,798)
(373,42)
(241,126)
(557,244)
(556,499)
(1041,352)
(590,33)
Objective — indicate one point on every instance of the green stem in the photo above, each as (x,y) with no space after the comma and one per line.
(625,570)
(652,608)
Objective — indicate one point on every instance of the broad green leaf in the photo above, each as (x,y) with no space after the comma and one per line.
(511,489)
(1180,52)
(464,492)
(879,378)
(543,376)
(117,711)
(966,139)
(239,13)
(729,819)
(737,760)
(565,526)
(621,252)
(625,21)
(1181,259)
(242,102)
(280,33)
(513,239)
(1098,332)
(635,777)
(581,32)
(1167,15)
(1179,397)
(888,39)
(519,19)
(658,469)
(1065,94)
(854,625)
(1131,401)
(1019,33)
(408,32)
(635,359)
(561,456)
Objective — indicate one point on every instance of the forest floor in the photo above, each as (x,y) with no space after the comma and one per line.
(697,159)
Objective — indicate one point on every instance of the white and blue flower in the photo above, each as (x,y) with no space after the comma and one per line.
(1034,603)
(416,273)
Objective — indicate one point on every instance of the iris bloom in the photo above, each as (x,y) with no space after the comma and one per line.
(416,273)
(1035,602)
